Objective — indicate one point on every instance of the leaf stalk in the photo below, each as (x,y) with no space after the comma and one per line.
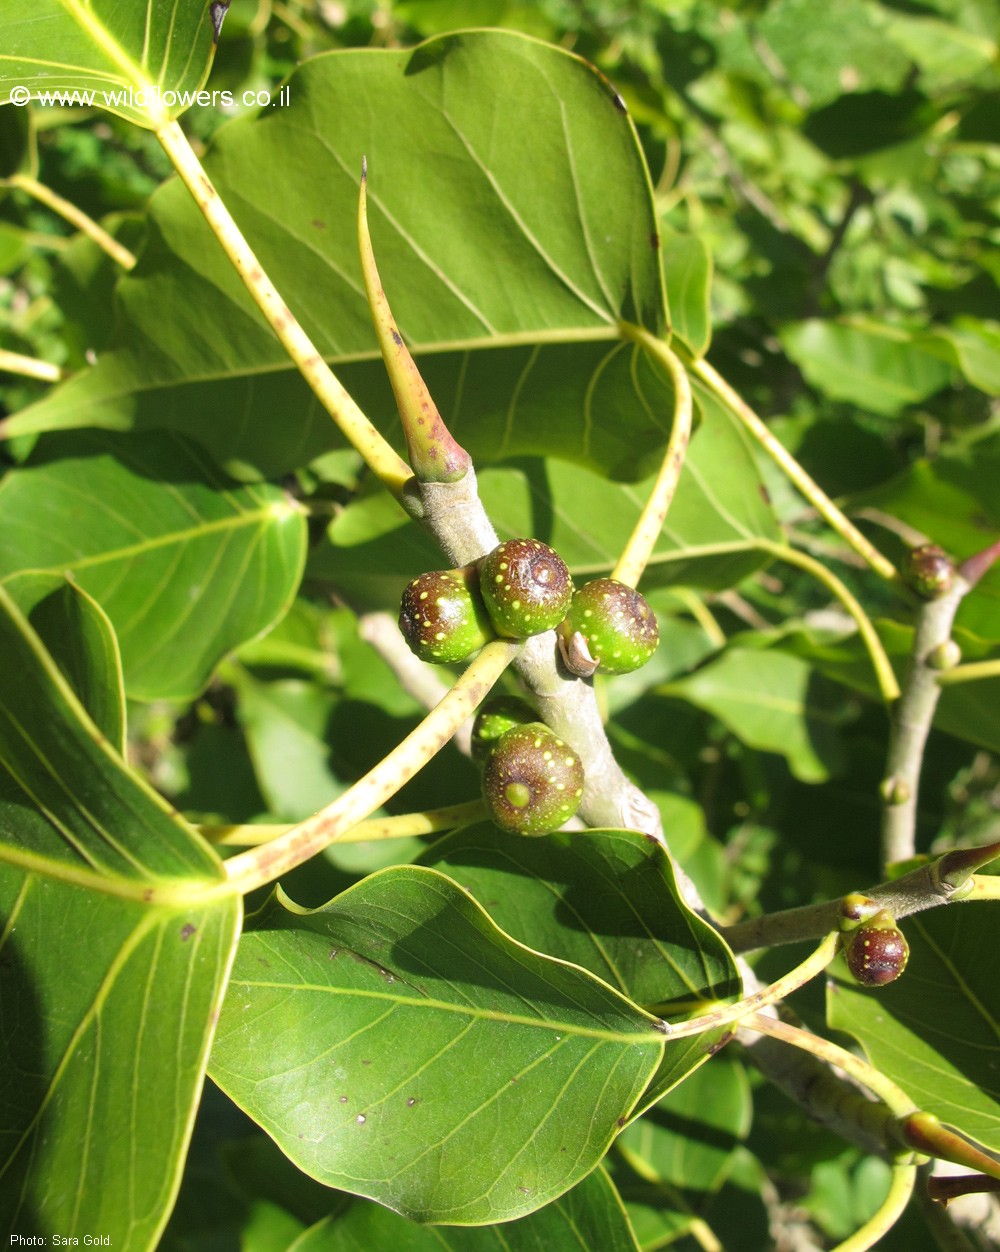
(884,674)
(812,491)
(381,458)
(258,866)
(637,552)
(76,217)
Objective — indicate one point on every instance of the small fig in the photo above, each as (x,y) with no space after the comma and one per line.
(929,570)
(494,719)
(442,616)
(526,586)
(532,781)
(617,625)
(876,952)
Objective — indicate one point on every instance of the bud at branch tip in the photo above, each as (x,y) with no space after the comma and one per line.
(434,455)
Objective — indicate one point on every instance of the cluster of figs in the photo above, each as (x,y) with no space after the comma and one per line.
(532,780)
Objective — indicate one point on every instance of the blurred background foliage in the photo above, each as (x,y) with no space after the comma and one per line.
(837,166)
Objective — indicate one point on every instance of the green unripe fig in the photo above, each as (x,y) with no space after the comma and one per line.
(526,586)
(532,781)
(876,951)
(442,616)
(617,626)
(494,719)
(929,570)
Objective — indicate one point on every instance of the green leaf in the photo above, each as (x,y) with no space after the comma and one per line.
(608,902)
(946,54)
(874,367)
(186,564)
(81,642)
(18,149)
(972,346)
(115,938)
(587,1217)
(864,122)
(514,245)
(936,1030)
(771,701)
(969,710)
(141,61)
(605,900)
(806,45)
(687,265)
(952,500)
(397,1045)
(687,1139)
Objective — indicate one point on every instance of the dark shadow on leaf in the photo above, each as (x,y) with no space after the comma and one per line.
(23,1040)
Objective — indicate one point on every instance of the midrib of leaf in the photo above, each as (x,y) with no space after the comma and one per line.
(460,1010)
(249,519)
(84,18)
(156,891)
(687,550)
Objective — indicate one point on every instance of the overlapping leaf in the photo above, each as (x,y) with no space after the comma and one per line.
(710,537)
(688,1138)
(533,236)
(141,61)
(772,701)
(936,1031)
(397,1045)
(186,564)
(113,950)
(606,901)
(587,1217)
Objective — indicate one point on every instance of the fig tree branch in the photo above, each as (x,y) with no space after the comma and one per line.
(931,653)
(950,879)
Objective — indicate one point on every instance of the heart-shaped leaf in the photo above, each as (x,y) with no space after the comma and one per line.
(397,1045)
(534,237)
(605,900)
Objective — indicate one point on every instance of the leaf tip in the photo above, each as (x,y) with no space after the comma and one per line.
(217,11)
